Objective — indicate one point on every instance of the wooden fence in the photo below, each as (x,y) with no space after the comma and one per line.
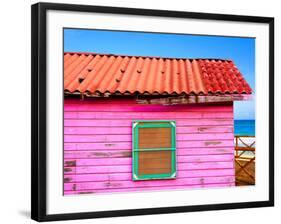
(245,160)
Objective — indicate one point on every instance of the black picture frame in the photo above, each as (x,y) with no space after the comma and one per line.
(39,107)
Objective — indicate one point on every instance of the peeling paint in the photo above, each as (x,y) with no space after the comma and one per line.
(212,143)
(86,192)
(202,129)
(67,179)
(67,169)
(74,187)
(110,184)
(101,154)
(70,163)
(127,154)
(222,150)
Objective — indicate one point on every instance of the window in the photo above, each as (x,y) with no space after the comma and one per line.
(154,150)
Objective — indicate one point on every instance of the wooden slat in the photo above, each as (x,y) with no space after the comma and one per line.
(128,145)
(132,184)
(128,138)
(97,154)
(96,130)
(129,106)
(92,102)
(158,155)
(114,122)
(127,169)
(74,178)
(145,115)
(140,108)
(141,189)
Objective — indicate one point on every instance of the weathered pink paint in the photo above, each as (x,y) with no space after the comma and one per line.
(95,154)
(125,130)
(98,145)
(145,115)
(128,145)
(97,185)
(158,188)
(127,169)
(128,161)
(128,176)
(128,123)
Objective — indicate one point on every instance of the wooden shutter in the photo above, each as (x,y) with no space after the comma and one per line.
(154,161)
(154,150)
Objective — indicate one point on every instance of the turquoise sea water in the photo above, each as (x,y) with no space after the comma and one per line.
(244,127)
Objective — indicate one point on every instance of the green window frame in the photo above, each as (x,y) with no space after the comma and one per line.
(137,125)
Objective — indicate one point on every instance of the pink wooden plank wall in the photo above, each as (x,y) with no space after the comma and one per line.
(98,145)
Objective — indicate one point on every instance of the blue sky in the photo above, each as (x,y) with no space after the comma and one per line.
(240,50)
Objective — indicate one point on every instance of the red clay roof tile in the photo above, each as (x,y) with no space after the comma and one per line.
(99,73)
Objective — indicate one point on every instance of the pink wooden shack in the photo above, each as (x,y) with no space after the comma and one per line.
(148,123)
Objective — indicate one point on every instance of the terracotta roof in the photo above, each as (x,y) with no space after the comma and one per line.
(115,74)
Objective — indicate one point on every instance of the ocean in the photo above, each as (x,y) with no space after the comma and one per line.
(244,127)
